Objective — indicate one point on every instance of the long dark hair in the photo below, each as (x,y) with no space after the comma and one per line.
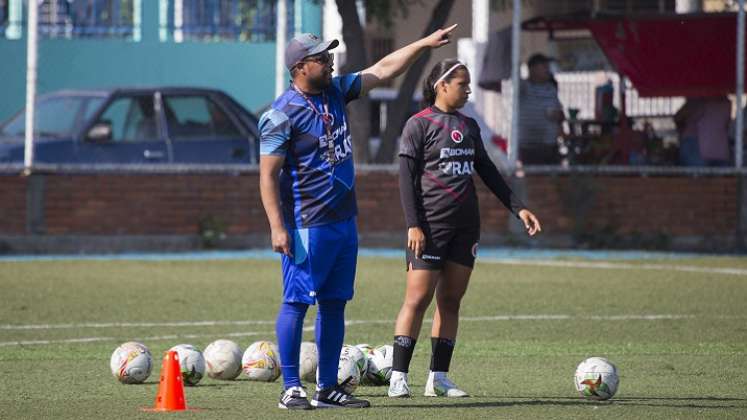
(429,93)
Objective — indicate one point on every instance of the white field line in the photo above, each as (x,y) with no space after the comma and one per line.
(618,266)
(538,317)
(99,339)
(131,325)
(530,317)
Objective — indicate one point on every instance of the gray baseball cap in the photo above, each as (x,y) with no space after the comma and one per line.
(304,45)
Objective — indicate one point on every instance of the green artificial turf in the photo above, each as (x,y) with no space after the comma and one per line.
(525,327)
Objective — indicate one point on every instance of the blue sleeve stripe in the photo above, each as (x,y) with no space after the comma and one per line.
(274,133)
(349,85)
(354,92)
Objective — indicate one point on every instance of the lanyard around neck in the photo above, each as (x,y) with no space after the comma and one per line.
(326,120)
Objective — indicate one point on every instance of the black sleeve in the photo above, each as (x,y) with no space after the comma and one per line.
(493,179)
(410,159)
(408,172)
(412,140)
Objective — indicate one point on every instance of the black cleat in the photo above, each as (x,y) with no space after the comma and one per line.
(337,398)
(294,398)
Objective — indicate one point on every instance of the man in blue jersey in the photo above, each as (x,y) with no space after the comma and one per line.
(307,187)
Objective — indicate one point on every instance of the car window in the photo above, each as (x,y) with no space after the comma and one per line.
(197,117)
(132,119)
(54,117)
(91,106)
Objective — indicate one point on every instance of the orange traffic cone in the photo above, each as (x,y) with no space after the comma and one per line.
(170,395)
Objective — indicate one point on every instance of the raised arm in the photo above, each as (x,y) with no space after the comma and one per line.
(398,61)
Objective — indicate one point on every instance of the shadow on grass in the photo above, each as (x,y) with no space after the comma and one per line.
(487,404)
(209,385)
(679,399)
(627,398)
(686,402)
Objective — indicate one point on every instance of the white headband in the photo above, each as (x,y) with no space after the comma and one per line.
(443,76)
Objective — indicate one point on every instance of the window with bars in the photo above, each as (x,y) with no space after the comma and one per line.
(226,20)
(86,18)
(379,48)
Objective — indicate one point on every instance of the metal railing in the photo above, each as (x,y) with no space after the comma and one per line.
(578,90)
(225,20)
(188,20)
(86,18)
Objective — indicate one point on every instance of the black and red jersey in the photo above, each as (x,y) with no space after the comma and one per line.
(447,150)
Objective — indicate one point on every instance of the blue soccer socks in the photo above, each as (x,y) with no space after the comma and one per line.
(330,333)
(289,330)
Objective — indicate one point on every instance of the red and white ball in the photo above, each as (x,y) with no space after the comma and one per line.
(131,363)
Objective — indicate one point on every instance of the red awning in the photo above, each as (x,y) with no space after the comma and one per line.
(663,55)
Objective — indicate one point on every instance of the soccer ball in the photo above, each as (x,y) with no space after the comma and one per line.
(367,350)
(358,357)
(131,363)
(191,363)
(348,373)
(261,362)
(308,361)
(380,365)
(596,379)
(223,359)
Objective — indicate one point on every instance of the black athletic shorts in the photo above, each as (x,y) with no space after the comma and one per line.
(443,244)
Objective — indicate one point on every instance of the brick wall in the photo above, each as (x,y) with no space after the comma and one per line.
(12,205)
(670,205)
(150,204)
(572,206)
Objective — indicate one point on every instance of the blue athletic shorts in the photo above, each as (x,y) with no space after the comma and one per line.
(323,263)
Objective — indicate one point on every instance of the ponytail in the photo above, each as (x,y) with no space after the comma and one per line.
(438,72)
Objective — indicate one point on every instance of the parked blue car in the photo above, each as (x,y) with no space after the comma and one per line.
(136,126)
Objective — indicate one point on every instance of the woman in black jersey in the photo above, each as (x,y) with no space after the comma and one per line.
(440,151)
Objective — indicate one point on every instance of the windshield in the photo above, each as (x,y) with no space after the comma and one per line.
(56,117)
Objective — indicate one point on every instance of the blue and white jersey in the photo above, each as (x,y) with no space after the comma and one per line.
(313,192)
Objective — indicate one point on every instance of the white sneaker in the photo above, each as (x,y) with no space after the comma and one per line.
(398,387)
(439,385)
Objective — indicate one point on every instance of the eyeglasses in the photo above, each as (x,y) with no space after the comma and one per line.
(321,58)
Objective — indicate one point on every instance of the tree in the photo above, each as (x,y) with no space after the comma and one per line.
(397,111)
(383,12)
(356,59)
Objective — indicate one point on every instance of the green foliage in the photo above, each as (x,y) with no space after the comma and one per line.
(212,231)
(384,12)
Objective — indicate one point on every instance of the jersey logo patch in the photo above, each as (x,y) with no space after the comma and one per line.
(457,136)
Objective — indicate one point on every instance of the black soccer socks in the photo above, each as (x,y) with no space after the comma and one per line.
(403,348)
(441,351)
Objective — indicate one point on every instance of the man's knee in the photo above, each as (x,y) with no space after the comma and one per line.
(332,307)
